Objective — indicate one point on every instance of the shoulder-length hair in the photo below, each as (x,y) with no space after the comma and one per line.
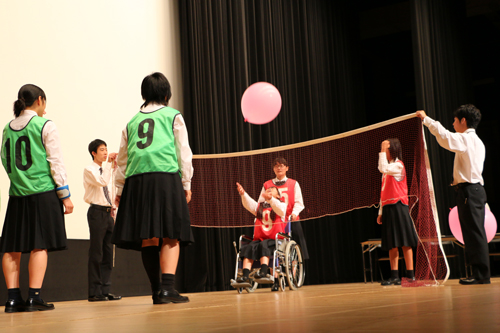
(395,149)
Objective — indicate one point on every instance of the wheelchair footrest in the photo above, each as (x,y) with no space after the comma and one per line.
(266,280)
(236,285)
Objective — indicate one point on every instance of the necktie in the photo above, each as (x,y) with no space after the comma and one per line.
(105,189)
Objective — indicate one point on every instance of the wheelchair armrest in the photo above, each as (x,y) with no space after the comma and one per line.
(280,241)
(283,235)
(244,239)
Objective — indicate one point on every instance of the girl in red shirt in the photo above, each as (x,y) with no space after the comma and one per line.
(268,222)
(397,226)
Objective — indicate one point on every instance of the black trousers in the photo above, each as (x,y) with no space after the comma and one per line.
(471,199)
(299,238)
(101,250)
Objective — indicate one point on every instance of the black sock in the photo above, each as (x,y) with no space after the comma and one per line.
(263,268)
(168,282)
(410,274)
(34,293)
(151,261)
(15,294)
(246,272)
(394,274)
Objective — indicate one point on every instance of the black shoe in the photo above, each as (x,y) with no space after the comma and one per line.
(113,297)
(38,305)
(13,305)
(164,297)
(275,287)
(474,281)
(260,275)
(98,298)
(391,281)
(242,279)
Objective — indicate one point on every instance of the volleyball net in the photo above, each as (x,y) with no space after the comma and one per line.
(337,174)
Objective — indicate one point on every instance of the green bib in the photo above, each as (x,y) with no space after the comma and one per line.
(151,142)
(25,159)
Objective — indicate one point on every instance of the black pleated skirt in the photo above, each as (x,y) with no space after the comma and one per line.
(397,227)
(34,222)
(258,249)
(152,205)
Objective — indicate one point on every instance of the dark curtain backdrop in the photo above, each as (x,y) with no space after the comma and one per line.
(441,81)
(308,50)
(322,56)
(305,48)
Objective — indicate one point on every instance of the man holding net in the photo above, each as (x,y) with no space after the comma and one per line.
(468,183)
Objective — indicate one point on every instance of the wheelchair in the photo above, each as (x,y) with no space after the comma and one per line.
(287,259)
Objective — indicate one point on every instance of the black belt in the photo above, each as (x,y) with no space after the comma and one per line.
(106,209)
(463,185)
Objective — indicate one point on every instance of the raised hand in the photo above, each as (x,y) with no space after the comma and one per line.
(384,146)
(240,189)
(421,114)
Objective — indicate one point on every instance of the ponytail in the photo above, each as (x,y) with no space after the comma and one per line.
(26,96)
(19,106)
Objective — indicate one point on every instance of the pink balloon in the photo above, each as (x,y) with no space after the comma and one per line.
(260,103)
(490,225)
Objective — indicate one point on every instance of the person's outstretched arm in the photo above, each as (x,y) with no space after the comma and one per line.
(249,203)
(450,141)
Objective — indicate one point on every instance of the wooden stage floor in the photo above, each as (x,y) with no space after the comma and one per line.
(354,307)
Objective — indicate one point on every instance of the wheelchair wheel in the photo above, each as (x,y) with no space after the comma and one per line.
(294,265)
(282,283)
(240,290)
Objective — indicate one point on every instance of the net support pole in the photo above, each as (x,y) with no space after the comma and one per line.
(432,199)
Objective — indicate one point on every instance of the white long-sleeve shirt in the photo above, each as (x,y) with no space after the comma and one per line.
(251,205)
(390,168)
(298,205)
(184,153)
(94,182)
(468,148)
(50,139)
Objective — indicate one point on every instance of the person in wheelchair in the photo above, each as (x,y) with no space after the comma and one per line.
(269,220)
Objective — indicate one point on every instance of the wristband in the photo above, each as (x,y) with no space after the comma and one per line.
(63,192)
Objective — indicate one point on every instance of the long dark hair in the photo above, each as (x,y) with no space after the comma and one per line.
(26,96)
(395,149)
(263,205)
(155,88)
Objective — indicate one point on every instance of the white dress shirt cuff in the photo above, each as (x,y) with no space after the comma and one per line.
(428,121)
